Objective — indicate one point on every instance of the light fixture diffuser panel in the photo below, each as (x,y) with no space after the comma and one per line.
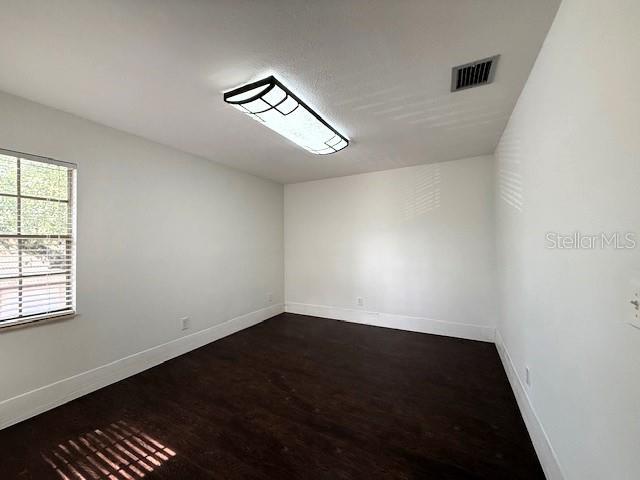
(271,103)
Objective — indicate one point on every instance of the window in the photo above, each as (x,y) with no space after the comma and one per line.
(37,238)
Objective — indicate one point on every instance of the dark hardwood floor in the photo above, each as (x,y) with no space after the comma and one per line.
(292,398)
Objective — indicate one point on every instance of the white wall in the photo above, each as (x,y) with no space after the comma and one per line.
(415,243)
(569,161)
(161,235)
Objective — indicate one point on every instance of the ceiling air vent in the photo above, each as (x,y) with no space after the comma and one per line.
(474,74)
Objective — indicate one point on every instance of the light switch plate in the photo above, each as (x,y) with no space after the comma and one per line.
(633,309)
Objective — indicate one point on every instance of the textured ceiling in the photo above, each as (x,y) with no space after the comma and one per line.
(378,70)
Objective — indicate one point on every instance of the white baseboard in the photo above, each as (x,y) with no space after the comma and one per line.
(37,401)
(541,443)
(399,322)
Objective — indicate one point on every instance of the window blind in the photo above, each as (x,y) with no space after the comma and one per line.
(37,238)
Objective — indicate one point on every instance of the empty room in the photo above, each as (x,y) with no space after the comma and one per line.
(320,239)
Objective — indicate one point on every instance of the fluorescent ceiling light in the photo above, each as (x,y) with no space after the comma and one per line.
(271,103)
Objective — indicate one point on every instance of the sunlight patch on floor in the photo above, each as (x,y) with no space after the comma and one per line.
(117,452)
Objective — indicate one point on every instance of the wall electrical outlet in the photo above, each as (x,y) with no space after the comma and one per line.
(185,323)
(527,376)
(360,301)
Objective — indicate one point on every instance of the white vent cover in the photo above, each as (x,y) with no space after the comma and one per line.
(474,74)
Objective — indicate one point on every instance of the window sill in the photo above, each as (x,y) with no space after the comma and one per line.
(36,320)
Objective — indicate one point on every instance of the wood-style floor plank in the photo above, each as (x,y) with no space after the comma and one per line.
(292,398)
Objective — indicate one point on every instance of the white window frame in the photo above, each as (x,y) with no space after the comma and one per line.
(71,238)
